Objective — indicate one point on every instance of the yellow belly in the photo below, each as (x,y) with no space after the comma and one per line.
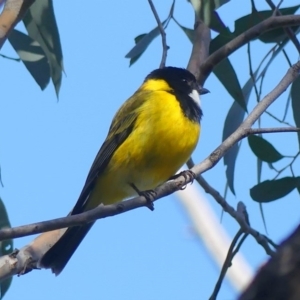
(162,140)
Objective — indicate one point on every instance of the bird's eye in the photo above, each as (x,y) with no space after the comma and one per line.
(183,80)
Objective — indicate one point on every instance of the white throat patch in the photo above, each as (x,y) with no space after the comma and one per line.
(196,97)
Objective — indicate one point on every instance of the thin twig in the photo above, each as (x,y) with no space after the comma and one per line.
(226,265)
(289,32)
(252,73)
(271,130)
(163,35)
(10,58)
(242,39)
(277,119)
(240,218)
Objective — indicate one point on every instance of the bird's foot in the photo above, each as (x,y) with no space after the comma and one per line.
(188,175)
(148,194)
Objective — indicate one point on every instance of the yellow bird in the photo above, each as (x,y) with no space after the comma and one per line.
(151,136)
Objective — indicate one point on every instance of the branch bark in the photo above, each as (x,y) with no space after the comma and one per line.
(163,35)
(252,33)
(200,49)
(13,12)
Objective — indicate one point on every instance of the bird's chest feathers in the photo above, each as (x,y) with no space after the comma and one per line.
(163,138)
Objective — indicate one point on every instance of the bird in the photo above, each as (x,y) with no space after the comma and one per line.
(151,136)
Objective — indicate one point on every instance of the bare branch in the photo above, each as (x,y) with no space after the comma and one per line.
(289,32)
(255,31)
(272,130)
(13,12)
(200,49)
(227,263)
(163,35)
(239,217)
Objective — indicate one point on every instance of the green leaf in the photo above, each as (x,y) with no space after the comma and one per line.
(188,32)
(244,23)
(144,42)
(295,94)
(217,24)
(271,190)
(6,247)
(225,71)
(263,149)
(41,26)
(205,10)
(274,36)
(32,55)
(136,40)
(234,118)
(227,76)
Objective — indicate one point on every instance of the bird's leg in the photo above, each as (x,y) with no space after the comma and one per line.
(148,194)
(188,175)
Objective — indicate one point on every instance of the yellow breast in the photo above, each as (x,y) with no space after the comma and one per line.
(161,141)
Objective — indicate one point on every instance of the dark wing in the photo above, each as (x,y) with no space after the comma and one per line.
(121,127)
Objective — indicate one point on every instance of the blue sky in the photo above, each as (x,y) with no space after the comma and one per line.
(47,147)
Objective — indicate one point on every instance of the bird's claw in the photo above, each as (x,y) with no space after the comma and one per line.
(188,175)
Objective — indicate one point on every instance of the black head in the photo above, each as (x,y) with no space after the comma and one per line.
(184,86)
(178,79)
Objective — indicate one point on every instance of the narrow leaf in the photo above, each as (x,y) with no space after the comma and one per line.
(248,21)
(144,42)
(295,94)
(263,149)
(136,40)
(271,190)
(234,118)
(41,26)
(189,32)
(32,55)
(227,76)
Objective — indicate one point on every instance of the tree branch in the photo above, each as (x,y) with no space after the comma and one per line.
(238,216)
(13,12)
(200,49)
(289,32)
(163,35)
(228,261)
(271,130)
(111,210)
(255,31)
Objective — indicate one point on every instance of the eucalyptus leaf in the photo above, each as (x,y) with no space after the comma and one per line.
(144,42)
(136,40)
(32,55)
(227,76)
(263,149)
(271,190)
(295,94)
(41,26)
(244,23)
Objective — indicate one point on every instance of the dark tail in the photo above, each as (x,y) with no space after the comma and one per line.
(58,256)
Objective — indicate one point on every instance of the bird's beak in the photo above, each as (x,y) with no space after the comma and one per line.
(203,91)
